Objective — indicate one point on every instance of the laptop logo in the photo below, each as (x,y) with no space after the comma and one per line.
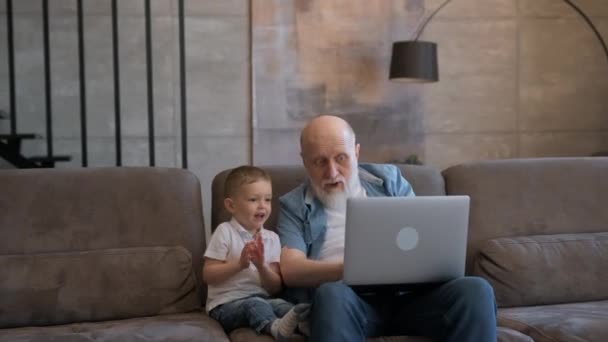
(407,238)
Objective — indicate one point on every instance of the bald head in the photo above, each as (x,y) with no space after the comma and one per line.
(326,129)
(330,156)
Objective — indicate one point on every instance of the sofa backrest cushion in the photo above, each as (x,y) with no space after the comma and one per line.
(521,197)
(425,181)
(93,209)
(546,269)
(106,284)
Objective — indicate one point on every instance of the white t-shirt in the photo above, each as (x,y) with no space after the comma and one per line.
(227,243)
(333,245)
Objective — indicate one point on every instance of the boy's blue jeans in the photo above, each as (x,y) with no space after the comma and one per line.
(460,310)
(253,312)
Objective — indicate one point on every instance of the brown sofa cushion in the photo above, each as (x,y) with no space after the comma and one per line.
(185,327)
(546,269)
(59,288)
(563,322)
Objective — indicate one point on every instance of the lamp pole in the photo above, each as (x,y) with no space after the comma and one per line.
(569,2)
(590,23)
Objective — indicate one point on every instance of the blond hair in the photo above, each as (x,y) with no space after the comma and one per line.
(243,175)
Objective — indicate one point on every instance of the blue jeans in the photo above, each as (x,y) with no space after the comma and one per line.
(253,312)
(463,309)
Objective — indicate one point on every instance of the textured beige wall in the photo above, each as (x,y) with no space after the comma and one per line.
(520,78)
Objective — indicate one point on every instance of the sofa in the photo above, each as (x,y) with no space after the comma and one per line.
(115,254)
(111,254)
(538,232)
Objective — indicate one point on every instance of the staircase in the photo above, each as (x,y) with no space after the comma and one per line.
(10,150)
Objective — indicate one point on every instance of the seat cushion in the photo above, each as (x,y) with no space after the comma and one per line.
(504,335)
(546,269)
(249,335)
(61,288)
(563,322)
(510,335)
(178,327)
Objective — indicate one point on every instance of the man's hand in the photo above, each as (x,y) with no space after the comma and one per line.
(257,251)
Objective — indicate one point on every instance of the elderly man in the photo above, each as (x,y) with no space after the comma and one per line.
(311,227)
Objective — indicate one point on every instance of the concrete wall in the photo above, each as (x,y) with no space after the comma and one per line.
(523,78)
(519,78)
(217,42)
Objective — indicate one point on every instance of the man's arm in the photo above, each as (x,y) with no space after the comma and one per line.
(299,271)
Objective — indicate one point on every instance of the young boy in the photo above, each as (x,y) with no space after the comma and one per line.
(242,262)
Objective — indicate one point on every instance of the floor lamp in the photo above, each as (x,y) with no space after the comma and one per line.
(416,61)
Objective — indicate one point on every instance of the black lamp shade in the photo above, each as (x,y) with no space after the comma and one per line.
(414,61)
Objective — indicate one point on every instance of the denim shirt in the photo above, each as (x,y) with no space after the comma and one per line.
(303,222)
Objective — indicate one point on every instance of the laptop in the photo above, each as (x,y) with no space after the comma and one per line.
(405,242)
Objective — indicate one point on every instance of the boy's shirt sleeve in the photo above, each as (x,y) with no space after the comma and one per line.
(218,247)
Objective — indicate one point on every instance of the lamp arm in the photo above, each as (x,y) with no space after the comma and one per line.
(597,33)
(570,3)
(419,31)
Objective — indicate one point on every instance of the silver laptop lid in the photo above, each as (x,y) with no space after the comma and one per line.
(405,240)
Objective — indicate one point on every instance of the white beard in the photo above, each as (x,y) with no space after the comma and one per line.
(337,199)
